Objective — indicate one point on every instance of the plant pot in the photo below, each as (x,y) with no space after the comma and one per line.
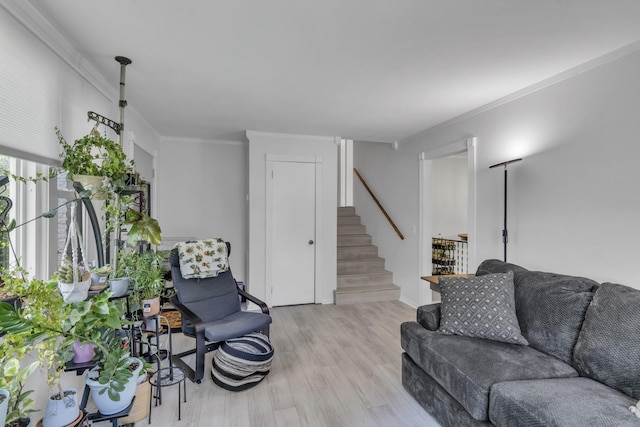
(75,292)
(20,422)
(94,184)
(61,412)
(83,353)
(105,405)
(150,307)
(140,409)
(119,286)
(99,279)
(4,396)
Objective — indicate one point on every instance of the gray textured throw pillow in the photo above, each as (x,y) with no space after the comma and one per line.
(481,307)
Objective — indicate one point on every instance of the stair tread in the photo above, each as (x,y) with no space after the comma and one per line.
(369,288)
(360,260)
(369,273)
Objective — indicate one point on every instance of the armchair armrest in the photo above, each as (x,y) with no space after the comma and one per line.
(193,318)
(263,306)
(428,316)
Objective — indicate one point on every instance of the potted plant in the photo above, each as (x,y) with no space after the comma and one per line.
(47,322)
(143,228)
(100,276)
(73,281)
(13,379)
(147,282)
(96,156)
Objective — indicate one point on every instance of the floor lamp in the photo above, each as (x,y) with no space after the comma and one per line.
(505,233)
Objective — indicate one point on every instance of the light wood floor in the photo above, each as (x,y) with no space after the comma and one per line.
(333,366)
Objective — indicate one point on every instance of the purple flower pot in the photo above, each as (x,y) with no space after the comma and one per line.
(83,353)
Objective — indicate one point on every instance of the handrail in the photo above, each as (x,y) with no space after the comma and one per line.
(375,199)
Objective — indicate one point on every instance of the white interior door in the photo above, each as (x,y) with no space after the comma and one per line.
(292,252)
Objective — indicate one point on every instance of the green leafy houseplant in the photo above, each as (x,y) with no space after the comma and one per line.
(13,378)
(147,276)
(46,322)
(95,155)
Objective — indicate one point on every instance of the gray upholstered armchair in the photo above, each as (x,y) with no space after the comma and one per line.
(211,313)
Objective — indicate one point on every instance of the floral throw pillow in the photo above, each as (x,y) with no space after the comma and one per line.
(202,258)
(481,307)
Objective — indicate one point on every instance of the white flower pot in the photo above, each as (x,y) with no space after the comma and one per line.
(61,412)
(119,286)
(75,292)
(105,405)
(94,184)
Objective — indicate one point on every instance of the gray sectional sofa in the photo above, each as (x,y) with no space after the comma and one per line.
(580,365)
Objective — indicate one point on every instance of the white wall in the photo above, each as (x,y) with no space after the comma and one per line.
(573,205)
(201,193)
(260,145)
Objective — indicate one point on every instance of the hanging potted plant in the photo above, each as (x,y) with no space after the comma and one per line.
(73,281)
(96,162)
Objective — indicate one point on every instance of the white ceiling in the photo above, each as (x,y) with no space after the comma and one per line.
(373,70)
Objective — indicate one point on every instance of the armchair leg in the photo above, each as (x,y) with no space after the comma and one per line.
(202,348)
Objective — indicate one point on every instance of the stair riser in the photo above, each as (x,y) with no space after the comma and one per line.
(368,296)
(348,220)
(357,252)
(354,240)
(346,211)
(351,229)
(360,266)
(349,281)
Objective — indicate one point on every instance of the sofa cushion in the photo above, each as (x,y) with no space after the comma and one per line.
(482,307)
(433,398)
(551,308)
(467,367)
(567,402)
(490,266)
(608,346)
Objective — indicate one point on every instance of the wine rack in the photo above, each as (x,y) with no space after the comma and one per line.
(449,256)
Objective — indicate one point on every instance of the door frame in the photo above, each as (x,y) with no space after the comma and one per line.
(426,212)
(269,163)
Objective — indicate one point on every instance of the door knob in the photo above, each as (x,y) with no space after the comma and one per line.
(311,242)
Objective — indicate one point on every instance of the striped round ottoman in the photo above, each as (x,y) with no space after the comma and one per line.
(241,363)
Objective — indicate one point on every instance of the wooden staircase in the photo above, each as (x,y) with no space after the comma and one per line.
(361,273)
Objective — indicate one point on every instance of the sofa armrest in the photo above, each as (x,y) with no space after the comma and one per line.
(428,316)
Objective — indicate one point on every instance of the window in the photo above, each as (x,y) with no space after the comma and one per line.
(36,242)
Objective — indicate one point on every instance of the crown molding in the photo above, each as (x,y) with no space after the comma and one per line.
(23,12)
(251,134)
(201,141)
(560,77)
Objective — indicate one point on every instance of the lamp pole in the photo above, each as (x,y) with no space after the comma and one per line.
(505,232)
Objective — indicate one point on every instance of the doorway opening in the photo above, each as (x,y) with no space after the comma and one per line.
(447,211)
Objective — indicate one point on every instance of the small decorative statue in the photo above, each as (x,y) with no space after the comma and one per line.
(635,409)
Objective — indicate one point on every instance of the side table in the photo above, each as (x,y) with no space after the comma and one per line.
(165,377)
(434,281)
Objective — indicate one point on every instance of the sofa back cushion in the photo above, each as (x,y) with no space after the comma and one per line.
(608,348)
(550,307)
